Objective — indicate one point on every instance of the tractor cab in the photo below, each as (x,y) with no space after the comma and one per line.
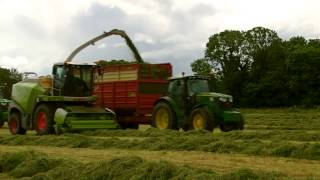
(190,85)
(71,79)
(184,90)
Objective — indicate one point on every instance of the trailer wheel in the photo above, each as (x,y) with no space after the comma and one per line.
(14,124)
(132,126)
(44,120)
(201,118)
(163,117)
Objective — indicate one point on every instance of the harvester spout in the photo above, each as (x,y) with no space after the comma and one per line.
(121,33)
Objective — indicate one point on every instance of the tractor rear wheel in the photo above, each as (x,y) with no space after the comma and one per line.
(44,120)
(201,118)
(14,124)
(163,117)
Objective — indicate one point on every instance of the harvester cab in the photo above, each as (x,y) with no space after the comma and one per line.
(190,104)
(67,76)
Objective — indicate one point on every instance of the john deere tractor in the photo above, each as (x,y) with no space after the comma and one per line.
(189,104)
(63,101)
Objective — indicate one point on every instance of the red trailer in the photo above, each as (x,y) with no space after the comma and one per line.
(131,90)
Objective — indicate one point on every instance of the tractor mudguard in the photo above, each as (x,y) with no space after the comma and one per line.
(179,114)
(83,118)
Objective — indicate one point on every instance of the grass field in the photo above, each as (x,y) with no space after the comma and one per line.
(276,144)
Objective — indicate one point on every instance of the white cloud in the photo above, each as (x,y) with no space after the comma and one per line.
(19,62)
(37,33)
(139,37)
(101,46)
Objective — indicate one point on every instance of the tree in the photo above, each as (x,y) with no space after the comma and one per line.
(267,84)
(7,78)
(201,66)
(303,67)
(226,52)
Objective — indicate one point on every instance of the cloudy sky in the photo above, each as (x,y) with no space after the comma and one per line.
(34,34)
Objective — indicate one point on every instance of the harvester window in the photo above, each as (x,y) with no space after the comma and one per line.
(59,77)
(60,73)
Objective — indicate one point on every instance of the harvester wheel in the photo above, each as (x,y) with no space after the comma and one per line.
(163,117)
(201,118)
(44,120)
(14,124)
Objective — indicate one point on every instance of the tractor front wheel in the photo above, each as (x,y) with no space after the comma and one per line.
(163,117)
(14,124)
(44,120)
(201,118)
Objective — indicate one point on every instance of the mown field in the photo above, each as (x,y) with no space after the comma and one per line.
(276,144)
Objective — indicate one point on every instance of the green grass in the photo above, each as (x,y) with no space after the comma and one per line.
(282,119)
(233,142)
(290,135)
(288,132)
(38,166)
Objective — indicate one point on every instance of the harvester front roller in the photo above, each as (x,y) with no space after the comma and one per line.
(83,118)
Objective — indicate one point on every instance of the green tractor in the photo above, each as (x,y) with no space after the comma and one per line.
(63,102)
(189,104)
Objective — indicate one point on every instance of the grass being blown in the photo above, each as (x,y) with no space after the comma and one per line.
(35,165)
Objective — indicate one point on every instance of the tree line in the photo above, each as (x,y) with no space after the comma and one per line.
(260,69)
